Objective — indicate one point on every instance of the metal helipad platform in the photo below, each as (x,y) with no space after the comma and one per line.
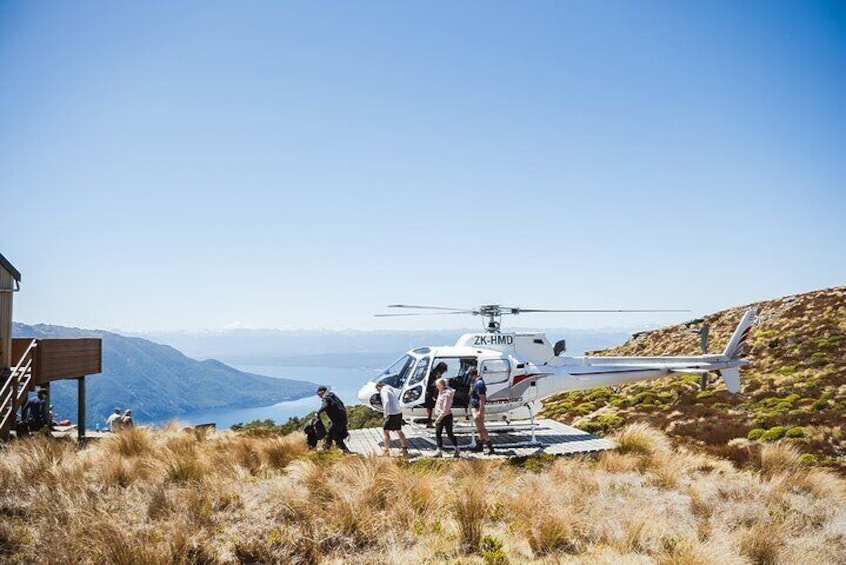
(509,440)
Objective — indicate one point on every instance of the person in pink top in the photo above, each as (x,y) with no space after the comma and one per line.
(443,417)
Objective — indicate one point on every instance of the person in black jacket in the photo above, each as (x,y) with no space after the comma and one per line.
(432,391)
(337,414)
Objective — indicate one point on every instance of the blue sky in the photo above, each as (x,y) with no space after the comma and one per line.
(198,165)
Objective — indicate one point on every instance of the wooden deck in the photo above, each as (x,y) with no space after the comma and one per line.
(62,358)
(512,440)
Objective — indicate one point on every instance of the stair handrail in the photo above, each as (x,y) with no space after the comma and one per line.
(24,381)
(32,345)
(10,399)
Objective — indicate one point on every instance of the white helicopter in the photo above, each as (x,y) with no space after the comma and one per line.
(522,369)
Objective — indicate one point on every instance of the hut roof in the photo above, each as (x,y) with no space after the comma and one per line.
(9,267)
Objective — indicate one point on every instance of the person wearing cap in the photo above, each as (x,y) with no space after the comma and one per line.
(393,418)
(337,414)
(113,421)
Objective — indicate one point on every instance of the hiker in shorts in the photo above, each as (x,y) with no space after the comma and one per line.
(337,414)
(478,398)
(393,418)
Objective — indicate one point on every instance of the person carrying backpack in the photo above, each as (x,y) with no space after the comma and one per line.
(337,414)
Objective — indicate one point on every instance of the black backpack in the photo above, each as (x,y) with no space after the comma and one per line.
(314,431)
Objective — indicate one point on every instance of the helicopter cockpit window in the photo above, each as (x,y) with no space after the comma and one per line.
(420,371)
(397,372)
(495,370)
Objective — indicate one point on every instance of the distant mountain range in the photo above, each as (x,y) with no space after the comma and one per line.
(158,382)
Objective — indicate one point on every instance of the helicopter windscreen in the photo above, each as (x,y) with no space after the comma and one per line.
(397,372)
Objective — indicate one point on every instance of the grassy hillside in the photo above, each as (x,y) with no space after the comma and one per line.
(794,388)
(171,496)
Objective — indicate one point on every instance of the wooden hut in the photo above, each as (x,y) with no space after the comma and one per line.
(29,362)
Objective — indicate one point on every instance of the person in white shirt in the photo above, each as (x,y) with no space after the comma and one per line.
(113,421)
(393,417)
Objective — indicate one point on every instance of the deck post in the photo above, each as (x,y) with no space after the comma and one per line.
(80,407)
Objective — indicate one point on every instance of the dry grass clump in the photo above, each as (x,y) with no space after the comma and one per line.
(129,442)
(177,496)
(778,458)
(762,543)
(46,461)
(641,439)
(643,448)
(471,510)
(277,453)
(552,530)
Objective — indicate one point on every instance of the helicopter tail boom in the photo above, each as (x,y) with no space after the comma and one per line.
(734,349)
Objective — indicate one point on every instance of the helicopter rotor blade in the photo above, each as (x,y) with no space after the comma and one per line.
(579,310)
(420,314)
(464,310)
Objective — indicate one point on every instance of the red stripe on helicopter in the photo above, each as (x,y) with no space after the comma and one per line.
(523,377)
(520,378)
(617,371)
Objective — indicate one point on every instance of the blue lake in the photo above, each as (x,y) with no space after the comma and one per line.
(343,382)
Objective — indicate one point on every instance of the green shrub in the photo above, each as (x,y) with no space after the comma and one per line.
(820,404)
(604,424)
(819,359)
(792,399)
(585,408)
(795,432)
(774,434)
(359,416)
(755,433)
(492,552)
(808,459)
(645,397)
(601,395)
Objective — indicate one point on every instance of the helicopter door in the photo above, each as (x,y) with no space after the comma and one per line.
(413,394)
(457,377)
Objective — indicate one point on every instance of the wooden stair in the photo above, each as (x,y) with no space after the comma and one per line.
(17,383)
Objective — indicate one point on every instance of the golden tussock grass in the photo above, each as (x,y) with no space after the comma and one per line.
(178,496)
(640,439)
(129,442)
(778,458)
(470,509)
